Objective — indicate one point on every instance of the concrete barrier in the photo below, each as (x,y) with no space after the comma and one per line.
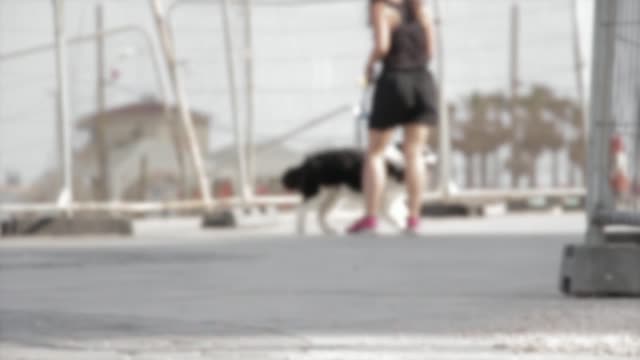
(610,269)
(65,226)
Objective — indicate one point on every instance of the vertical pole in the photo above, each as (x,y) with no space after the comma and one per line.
(578,59)
(143,178)
(239,139)
(513,83)
(514,54)
(157,7)
(599,195)
(361,113)
(514,58)
(579,65)
(102,150)
(64,131)
(248,33)
(177,137)
(444,126)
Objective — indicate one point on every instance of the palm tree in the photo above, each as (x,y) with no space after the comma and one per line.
(533,125)
(482,135)
(542,122)
(543,116)
(577,148)
(577,156)
(501,134)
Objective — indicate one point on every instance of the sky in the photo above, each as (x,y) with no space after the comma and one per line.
(308,59)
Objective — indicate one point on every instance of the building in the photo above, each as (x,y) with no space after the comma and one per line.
(145,152)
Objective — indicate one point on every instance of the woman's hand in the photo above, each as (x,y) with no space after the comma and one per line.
(381,39)
(370,72)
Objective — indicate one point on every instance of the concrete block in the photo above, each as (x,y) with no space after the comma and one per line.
(219,219)
(629,236)
(441,210)
(611,269)
(64,226)
(259,216)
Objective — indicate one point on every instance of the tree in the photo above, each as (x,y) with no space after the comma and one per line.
(543,122)
(479,136)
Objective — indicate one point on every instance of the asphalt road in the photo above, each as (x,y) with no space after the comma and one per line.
(173,293)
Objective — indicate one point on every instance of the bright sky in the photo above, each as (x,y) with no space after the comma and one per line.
(307,61)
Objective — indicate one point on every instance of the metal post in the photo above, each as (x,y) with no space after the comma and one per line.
(239,139)
(65,198)
(183,105)
(513,80)
(514,57)
(361,113)
(514,54)
(444,126)
(598,193)
(579,64)
(102,149)
(251,155)
(579,61)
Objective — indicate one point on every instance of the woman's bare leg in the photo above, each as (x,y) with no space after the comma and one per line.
(415,140)
(375,172)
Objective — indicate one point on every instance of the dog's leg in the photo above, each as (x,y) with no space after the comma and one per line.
(328,203)
(303,208)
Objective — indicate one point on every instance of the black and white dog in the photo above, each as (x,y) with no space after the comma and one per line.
(326,178)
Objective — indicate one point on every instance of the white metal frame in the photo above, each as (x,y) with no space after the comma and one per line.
(155,60)
(160,11)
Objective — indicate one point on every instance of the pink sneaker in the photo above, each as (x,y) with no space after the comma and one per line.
(413,224)
(365,225)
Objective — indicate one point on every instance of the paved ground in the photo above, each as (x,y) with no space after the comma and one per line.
(469,289)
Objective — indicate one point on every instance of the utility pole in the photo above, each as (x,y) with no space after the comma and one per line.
(158,9)
(250,147)
(444,126)
(579,64)
(578,58)
(513,85)
(514,56)
(101,146)
(65,198)
(242,185)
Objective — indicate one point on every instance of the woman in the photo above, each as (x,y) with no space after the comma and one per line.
(405,96)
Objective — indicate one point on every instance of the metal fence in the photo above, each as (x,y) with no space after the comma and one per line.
(279,80)
(614,157)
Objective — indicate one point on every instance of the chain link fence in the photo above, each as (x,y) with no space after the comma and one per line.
(283,81)
(614,186)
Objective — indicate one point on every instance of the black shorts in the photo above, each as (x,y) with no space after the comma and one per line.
(403,97)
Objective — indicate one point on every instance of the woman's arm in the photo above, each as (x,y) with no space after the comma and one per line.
(425,20)
(381,37)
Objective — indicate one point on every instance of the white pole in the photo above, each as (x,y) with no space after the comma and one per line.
(251,149)
(157,7)
(243,189)
(104,173)
(514,53)
(514,82)
(444,126)
(64,130)
(577,53)
(579,64)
